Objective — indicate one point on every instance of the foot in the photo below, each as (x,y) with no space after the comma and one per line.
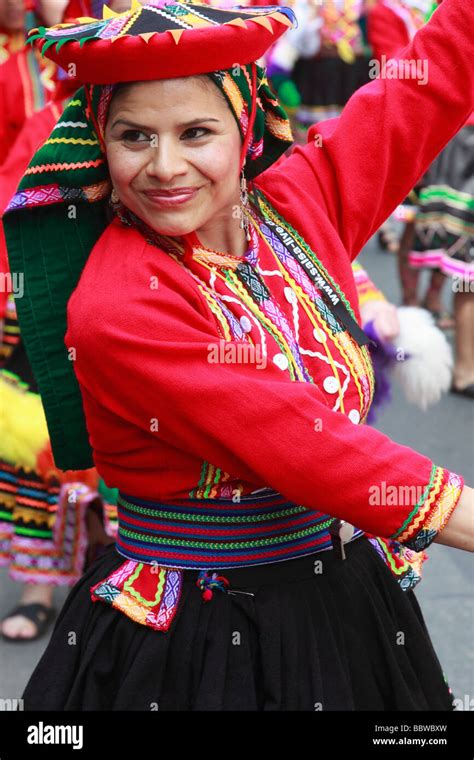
(444,320)
(19,626)
(463,383)
(467,391)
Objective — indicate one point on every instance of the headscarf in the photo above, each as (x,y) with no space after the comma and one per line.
(73,159)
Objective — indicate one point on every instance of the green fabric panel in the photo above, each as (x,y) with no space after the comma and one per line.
(51,255)
(109,495)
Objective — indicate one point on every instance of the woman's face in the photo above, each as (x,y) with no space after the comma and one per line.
(12,15)
(173,150)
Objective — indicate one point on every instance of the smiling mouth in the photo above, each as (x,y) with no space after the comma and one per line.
(178,192)
(171,197)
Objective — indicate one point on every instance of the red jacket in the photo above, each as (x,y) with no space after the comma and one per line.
(165,421)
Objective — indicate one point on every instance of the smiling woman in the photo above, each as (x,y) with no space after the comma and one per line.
(178,169)
(168,231)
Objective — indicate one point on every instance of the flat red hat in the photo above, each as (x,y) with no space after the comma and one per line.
(162,40)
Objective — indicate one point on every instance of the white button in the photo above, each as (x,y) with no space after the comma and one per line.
(281,361)
(320,336)
(354,416)
(245,324)
(290,295)
(331,385)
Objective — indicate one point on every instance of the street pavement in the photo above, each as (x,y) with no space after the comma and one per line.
(446,593)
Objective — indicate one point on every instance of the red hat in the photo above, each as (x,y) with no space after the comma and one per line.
(161,40)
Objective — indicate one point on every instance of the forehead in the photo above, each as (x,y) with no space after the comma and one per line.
(169,99)
(170,96)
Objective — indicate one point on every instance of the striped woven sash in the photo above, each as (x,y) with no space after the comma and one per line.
(195,533)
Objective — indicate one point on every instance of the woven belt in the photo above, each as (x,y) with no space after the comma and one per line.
(163,541)
(202,534)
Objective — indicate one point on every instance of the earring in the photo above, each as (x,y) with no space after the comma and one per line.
(114,196)
(244,200)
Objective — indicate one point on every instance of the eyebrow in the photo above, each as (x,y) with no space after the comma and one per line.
(181,126)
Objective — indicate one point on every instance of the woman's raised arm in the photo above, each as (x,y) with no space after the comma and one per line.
(360,166)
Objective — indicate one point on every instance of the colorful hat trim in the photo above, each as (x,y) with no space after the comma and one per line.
(162,41)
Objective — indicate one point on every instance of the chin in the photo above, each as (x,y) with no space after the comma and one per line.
(173,227)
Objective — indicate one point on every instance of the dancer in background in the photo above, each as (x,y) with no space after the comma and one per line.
(26,81)
(12,27)
(51,522)
(336,62)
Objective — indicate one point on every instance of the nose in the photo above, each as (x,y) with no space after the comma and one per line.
(167,159)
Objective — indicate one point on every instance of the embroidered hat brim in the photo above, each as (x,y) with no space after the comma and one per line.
(161,41)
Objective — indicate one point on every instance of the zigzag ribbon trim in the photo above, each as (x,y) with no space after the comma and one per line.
(64,167)
(71,141)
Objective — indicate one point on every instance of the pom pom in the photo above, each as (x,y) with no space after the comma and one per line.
(426,374)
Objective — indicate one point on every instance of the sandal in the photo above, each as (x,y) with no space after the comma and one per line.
(39,614)
(468,391)
(444,320)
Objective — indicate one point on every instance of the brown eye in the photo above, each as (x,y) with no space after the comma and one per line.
(133,136)
(190,133)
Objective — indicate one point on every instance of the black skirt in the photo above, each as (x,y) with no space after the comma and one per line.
(339,635)
(329,81)
(444,229)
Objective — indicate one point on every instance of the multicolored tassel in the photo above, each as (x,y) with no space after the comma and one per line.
(207,582)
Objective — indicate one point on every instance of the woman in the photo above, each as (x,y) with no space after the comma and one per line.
(223,375)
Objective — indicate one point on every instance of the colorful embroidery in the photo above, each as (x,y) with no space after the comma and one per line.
(205,533)
(341,28)
(423,506)
(403,563)
(147,594)
(43,534)
(443,509)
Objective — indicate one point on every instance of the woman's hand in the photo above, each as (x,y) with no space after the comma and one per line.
(385,317)
(459,530)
